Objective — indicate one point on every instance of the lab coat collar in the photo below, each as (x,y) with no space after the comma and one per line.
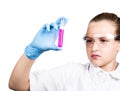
(116,73)
(95,70)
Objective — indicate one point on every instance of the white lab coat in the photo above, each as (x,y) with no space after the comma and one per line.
(75,77)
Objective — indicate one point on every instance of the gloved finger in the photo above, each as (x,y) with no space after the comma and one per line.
(61,19)
(56,25)
(49,27)
(53,27)
(46,27)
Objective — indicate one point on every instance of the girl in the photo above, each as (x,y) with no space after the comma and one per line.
(102,73)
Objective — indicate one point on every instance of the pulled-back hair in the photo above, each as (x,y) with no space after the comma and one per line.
(110,17)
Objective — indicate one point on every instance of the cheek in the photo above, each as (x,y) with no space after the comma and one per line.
(104,52)
(109,53)
(88,51)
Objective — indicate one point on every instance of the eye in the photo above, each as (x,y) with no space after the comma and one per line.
(89,41)
(103,40)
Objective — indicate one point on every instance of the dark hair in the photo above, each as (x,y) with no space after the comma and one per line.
(110,17)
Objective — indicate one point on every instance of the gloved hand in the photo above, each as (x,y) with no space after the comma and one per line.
(44,40)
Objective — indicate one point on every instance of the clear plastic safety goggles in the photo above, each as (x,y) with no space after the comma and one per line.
(102,40)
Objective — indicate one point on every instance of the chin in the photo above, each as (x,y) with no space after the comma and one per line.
(96,64)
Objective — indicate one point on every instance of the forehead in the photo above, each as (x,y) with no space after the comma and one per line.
(103,26)
(104,35)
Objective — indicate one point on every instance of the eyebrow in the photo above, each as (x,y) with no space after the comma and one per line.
(84,38)
(92,37)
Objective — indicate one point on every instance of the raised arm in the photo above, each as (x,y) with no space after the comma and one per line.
(43,41)
(19,80)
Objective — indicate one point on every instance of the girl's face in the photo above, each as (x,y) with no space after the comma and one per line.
(100,44)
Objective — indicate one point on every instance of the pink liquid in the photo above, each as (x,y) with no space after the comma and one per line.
(60,38)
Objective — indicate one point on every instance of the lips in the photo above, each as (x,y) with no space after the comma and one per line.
(95,56)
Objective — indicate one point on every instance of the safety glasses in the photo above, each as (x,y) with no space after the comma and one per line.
(102,40)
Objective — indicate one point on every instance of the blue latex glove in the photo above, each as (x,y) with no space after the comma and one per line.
(44,40)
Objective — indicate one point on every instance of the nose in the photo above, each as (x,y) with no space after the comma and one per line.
(95,46)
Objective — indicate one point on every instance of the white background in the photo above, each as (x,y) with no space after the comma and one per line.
(20,20)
